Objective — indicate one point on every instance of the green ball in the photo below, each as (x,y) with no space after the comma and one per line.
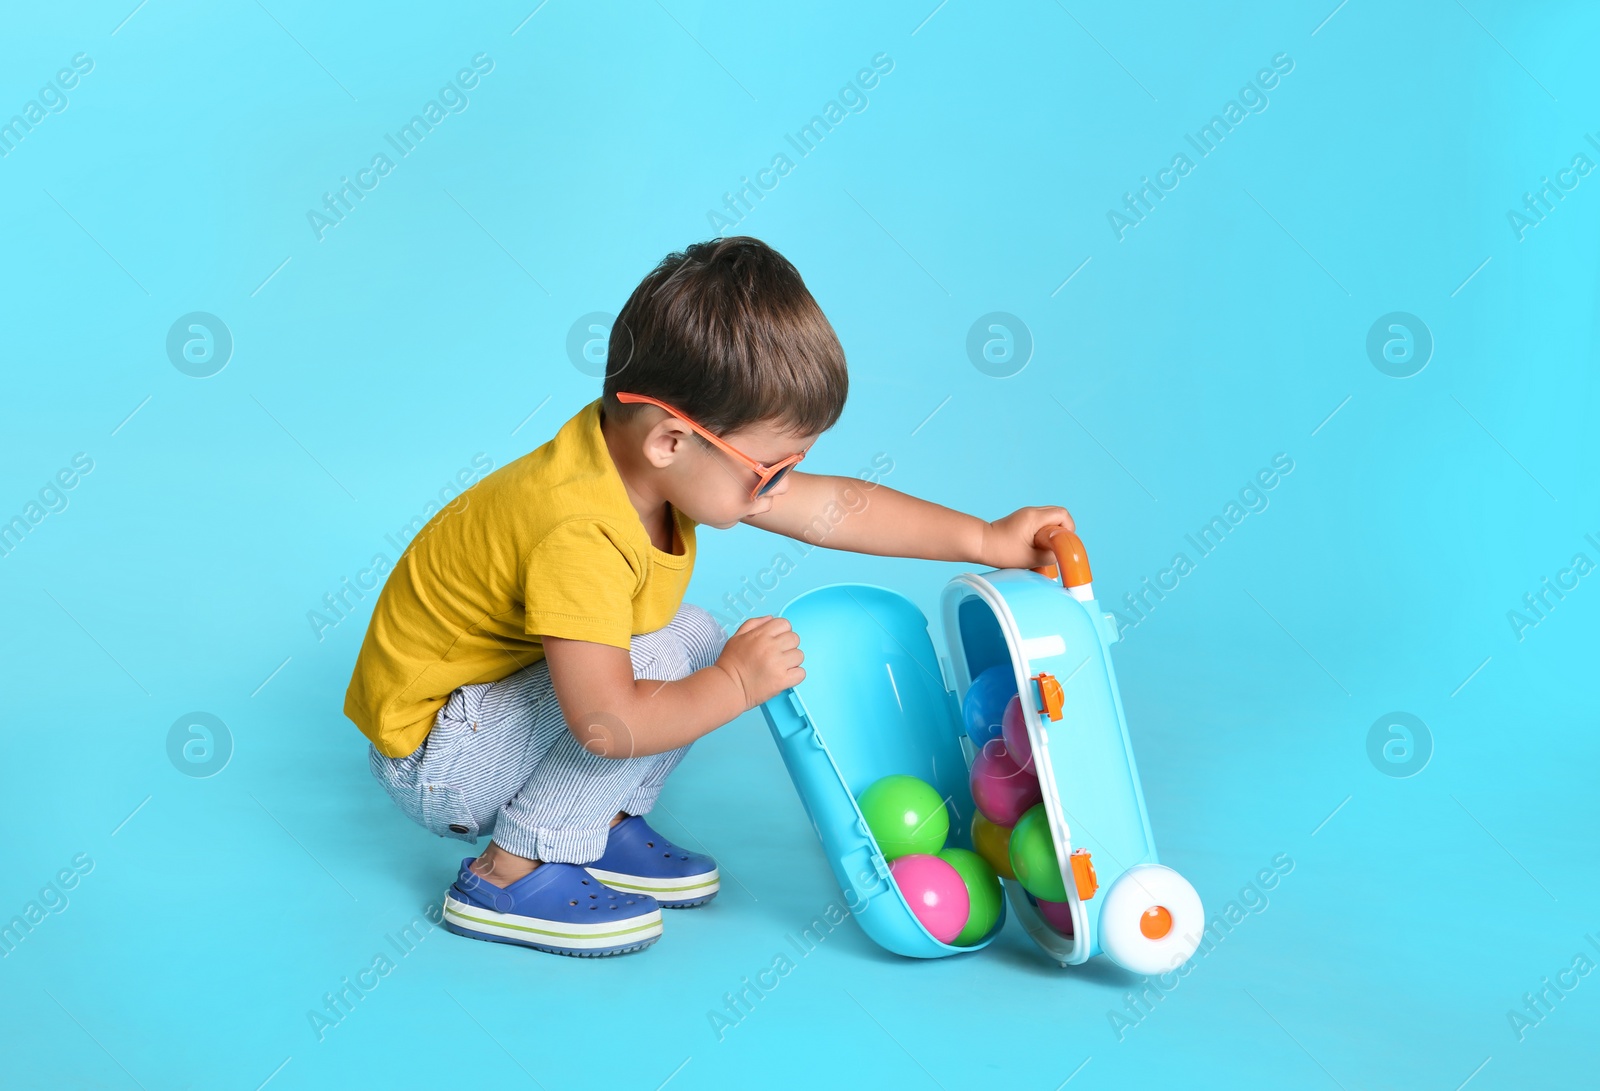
(905,815)
(1033,856)
(983,893)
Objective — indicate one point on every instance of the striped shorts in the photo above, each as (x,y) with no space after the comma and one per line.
(499,760)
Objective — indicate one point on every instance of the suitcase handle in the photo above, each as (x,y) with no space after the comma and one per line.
(1072,562)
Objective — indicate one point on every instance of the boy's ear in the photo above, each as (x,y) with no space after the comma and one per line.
(665,442)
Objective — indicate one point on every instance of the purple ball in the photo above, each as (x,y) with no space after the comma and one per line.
(1057,915)
(1001,789)
(1014,732)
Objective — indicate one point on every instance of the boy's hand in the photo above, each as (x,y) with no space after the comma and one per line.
(1008,542)
(763,657)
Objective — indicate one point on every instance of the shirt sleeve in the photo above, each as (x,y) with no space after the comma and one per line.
(579,584)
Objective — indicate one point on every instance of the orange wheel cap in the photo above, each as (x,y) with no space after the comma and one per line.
(1156,922)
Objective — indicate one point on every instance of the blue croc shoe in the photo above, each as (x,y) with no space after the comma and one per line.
(640,861)
(559,908)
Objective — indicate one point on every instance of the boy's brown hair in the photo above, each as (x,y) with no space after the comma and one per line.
(726,331)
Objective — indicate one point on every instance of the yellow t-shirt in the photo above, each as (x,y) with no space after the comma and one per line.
(549,545)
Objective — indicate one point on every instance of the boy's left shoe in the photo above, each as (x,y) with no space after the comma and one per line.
(639,860)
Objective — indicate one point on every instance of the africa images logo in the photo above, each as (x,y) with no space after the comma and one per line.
(1252,99)
(452,99)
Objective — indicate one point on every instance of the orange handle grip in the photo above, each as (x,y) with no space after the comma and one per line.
(1072,562)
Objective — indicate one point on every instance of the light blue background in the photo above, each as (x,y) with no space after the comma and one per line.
(425,328)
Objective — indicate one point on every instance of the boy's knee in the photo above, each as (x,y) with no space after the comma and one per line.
(703,637)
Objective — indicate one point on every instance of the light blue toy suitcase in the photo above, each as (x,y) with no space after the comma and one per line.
(878,700)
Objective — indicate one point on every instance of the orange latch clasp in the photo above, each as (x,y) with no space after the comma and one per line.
(1049,695)
(1083,874)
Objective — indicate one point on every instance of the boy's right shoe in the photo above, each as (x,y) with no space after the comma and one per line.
(559,908)
(639,860)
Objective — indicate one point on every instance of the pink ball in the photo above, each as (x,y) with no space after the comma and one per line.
(1057,915)
(1014,730)
(1002,790)
(936,892)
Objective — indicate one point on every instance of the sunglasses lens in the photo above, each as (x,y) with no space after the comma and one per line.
(772,482)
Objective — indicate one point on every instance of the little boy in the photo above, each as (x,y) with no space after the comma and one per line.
(531,671)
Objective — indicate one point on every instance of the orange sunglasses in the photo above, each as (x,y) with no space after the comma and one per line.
(766,476)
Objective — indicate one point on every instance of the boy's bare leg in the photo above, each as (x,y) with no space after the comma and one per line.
(502,868)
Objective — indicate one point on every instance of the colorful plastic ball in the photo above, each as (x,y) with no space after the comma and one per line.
(1057,915)
(1002,790)
(983,893)
(936,893)
(993,843)
(985,703)
(905,815)
(1014,733)
(1033,857)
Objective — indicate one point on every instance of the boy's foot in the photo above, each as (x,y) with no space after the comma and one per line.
(559,908)
(639,860)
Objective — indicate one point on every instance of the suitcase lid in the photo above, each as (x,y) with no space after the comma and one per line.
(1058,642)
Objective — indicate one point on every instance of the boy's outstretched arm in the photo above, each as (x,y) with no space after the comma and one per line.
(845,513)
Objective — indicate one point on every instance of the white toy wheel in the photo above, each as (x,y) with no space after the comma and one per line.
(1151,920)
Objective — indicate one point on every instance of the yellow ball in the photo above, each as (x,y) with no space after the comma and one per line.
(993,843)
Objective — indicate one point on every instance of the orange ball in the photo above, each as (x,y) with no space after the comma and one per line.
(993,843)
